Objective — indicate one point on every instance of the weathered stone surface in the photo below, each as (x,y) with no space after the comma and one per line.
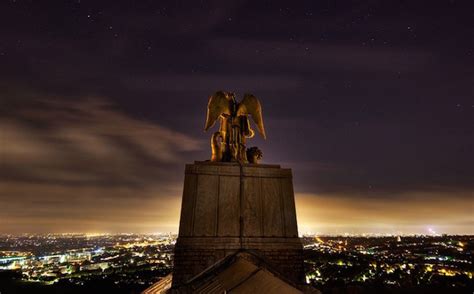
(289,211)
(227,207)
(272,207)
(187,205)
(205,209)
(252,213)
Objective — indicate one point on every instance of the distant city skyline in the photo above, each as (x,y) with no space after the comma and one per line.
(136,261)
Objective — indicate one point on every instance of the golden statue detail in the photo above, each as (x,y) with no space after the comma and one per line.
(228,144)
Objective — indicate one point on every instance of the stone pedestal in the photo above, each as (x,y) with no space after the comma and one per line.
(227,207)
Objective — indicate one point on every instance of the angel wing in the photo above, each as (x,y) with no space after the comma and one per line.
(218,104)
(250,105)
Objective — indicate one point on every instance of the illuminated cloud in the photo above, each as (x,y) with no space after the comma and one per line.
(33,207)
(86,141)
(83,164)
(411,213)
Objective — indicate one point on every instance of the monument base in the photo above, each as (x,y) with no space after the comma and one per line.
(229,207)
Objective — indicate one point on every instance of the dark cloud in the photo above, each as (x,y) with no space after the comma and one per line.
(325,58)
(87,142)
(202,83)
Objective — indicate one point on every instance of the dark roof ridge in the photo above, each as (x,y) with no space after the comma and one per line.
(249,255)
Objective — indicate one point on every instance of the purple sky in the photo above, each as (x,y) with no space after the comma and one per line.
(369,102)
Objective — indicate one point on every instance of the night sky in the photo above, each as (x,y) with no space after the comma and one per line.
(371,103)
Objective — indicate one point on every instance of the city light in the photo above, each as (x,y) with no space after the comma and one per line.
(137,261)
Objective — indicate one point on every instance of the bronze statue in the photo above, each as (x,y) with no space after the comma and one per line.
(228,144)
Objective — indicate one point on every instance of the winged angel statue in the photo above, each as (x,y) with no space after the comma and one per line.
(228,144)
